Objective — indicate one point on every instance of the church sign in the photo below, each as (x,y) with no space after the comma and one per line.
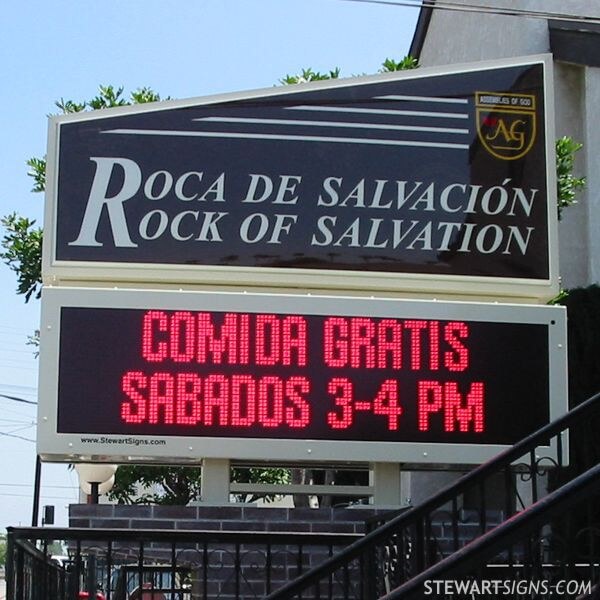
(432,179)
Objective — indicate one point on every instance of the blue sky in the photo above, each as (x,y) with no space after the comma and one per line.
(182,49)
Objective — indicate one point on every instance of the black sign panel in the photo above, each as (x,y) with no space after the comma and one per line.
(443,174)
(274,376)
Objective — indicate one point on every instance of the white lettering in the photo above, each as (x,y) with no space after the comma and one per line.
(163,221)
(257,182)
(97,199)
(331,191)
(263,227)
(322,226)
(182,181)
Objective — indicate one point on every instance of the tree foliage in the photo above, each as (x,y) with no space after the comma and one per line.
(2,551)
(172,485)
(388,65)
(583,332)
(22,241)
(167,485)
(307,75)
(22,252)
(567,185)
(404,64)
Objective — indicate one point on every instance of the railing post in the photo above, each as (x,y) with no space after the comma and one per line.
(45,569)
(90,576)
(10,565)
(19,570)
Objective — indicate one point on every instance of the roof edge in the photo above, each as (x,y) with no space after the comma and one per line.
(575,42)
(416,46)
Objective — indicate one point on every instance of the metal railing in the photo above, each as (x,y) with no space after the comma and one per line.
(123,564)
(404,545)
(557,540)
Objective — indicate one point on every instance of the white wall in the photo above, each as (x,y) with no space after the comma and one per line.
(455,37)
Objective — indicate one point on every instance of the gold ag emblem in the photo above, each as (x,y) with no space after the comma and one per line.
(506,123)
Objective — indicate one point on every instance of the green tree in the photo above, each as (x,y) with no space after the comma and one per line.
(307,75)
(567,185)
(387,66)
(156,485)
(22,241)
(2,550)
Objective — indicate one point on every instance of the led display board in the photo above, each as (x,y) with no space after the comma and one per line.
(184,375)
(410,181)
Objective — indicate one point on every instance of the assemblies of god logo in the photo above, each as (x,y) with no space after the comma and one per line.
(506,123)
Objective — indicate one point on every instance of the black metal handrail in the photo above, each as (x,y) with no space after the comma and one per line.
(501,539)
(179,563)
(410,534)
(101,534)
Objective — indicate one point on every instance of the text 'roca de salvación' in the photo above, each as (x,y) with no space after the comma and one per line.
(197,206)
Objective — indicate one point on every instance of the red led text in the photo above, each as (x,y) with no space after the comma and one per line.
(362,342)
(458,413)
(385,403)
(241,339)
(236,401)
(339,374)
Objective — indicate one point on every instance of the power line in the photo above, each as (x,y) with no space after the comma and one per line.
(18,413)
(17,399)
(29,485)
(22,428)
(12,356)
(14,331)
(2,495)
(20,387)
(20,351)
(474,8)
(19,437)
(17,363)
(31,369)
(20,393)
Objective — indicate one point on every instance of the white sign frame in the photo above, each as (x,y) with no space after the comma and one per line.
(57,272)
(59,447)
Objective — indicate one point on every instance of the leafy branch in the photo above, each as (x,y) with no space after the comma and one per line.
(22,241)
(388,65)
(566,183)
(22,244)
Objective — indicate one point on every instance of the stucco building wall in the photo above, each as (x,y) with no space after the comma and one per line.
(455,37)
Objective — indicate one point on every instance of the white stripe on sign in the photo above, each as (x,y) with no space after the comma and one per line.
(300,138)
(333,124)
(381,111)
(425,99)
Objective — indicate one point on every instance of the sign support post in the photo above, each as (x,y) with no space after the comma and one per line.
(214,488)
(385,479)
(36,491)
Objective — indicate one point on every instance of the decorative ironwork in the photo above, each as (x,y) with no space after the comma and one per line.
(112,564)
(402,546)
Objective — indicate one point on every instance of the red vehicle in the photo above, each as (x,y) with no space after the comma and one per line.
(157,583)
